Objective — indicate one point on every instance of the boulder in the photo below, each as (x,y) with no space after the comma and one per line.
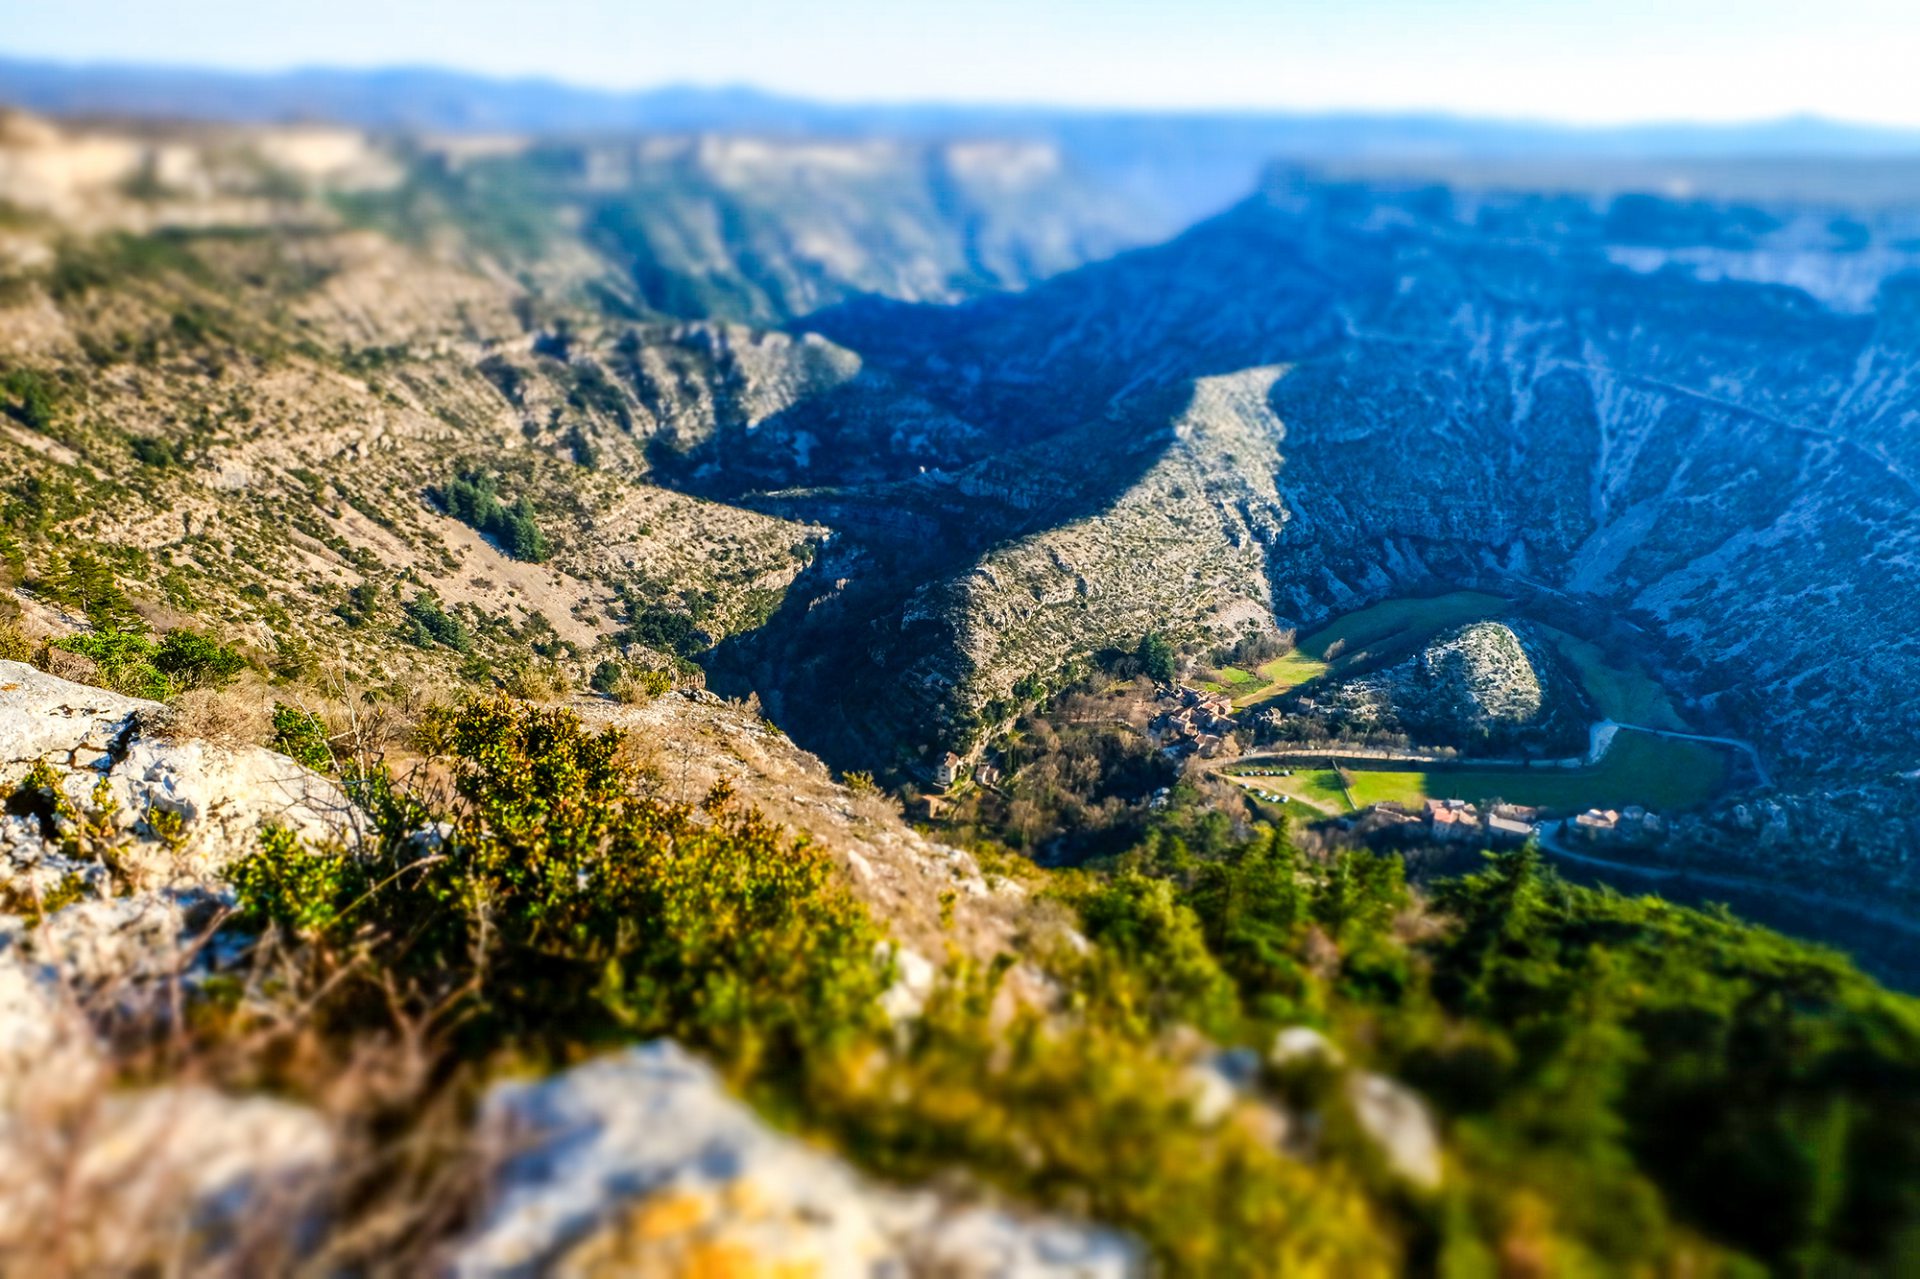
(1400,1125)
(184,808)
(641,1163)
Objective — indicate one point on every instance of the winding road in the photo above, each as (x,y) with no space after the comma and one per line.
(1600,739)
(1553,841)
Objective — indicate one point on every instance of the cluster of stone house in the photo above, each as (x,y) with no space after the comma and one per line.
(1457,821)
(1199,723)
(951,767)
(1630,825)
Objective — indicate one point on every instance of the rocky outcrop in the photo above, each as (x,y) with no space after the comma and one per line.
(152,1177)
(640,1163)
(179,809)
(1487,687)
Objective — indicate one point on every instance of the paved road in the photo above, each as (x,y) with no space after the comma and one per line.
(1600,738)
(1553,840)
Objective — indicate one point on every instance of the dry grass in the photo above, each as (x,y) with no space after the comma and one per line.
(237,716)
(143,1134)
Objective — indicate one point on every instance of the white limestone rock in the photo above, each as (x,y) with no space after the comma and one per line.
(1294,1045)
(641,1161)
(220,795)
(70,725)
(1400,1125)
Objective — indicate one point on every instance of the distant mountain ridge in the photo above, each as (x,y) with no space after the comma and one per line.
(436,98)
(1192,162)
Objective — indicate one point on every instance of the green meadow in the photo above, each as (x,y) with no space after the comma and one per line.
(1656,772)
(1367,637)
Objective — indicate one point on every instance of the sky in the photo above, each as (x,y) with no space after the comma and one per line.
(1581,61)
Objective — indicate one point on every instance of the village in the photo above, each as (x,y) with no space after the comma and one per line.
(1198,728)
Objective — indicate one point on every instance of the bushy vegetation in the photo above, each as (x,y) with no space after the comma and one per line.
(583,904)
(130,660)
(428,623)
(31,397)
(1622,1082)
(299,735)
(473,498)
(1623,1077)
(558,901)
(625,683)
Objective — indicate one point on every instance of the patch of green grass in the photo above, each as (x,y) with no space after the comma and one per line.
(1364,637)
(1628,695)
(1392,786)
(1280,675)
(1392,627)
(1656,772)
(1319,787)
(1234,681)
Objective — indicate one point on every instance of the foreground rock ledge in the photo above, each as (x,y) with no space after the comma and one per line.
(640,1163)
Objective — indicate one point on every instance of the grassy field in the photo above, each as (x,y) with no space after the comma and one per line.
(1234,681)
(1359,639)
(1316,787)
(1629,696)
(1657,772)
(1393,628)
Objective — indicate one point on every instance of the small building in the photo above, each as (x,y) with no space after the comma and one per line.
(947,770)
(1507,831)
(987,774)
(1597,824)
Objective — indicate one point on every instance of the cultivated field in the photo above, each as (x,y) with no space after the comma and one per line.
(1656,772)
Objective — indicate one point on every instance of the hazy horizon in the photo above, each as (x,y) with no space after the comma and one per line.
(1576,65)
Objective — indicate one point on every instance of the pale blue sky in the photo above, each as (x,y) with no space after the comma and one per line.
(1578,60)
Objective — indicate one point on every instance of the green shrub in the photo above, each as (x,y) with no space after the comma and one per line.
(151,450)
(124,659)
(473,498)
(428,624)
(301,888)
(196,661)
(31,397)
(300,736)
(593,908)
